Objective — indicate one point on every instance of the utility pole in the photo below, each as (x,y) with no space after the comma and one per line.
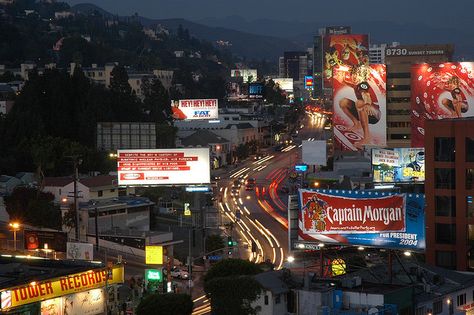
(76,211)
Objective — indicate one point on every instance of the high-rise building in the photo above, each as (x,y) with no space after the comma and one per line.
(449,190)
(377,52)
(399,60)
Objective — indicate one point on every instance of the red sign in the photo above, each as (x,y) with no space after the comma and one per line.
(329,214)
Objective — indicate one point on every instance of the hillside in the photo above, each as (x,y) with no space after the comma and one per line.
(243,44)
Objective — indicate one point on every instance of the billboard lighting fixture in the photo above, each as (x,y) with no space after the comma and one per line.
(301,246)
(384,186)
(321,245)
(360,248)
(290,259)
(216,121)
(407,253)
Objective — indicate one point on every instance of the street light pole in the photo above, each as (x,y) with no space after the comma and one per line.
(78,238)
(15,226)
(96,229)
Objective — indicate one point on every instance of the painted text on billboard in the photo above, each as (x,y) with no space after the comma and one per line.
(195,109)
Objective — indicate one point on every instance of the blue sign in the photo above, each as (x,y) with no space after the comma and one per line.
(214,257)
(301,167)
(411,237)
(256,90)
(197,189)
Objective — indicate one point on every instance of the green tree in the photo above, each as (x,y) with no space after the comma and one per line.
(157,101)
(214,242)
(231,286)
(28,205)
(166,304)
(125,101)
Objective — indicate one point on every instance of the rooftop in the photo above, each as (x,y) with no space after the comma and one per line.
(91,182)
(203,137)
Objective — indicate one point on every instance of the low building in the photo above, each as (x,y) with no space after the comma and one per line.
(219,148)
(273,300)
(45,286)
(8,184)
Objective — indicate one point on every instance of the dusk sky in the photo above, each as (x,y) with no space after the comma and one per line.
(432,12)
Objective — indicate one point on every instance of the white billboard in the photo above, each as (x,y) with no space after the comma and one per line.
(79,251)
(248,75)
(163,167)
(314,152)
(194,109)
(285,84)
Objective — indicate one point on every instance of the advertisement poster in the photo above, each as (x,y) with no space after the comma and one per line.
(371,218)
(163,167)
(359,95)
(438,91)
(256,90)
(285,84)
(343,50)
(80,251)
(248,75)
(194,109)
(398,165)
(308,82)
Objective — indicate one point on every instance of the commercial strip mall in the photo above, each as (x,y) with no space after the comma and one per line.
(32,285)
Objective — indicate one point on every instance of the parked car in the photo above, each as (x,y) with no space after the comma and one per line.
(235,191)
(177,273)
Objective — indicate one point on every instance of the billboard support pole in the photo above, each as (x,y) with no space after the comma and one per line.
(321,262)
(390,266)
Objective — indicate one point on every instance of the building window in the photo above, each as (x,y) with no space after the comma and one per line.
(420,311)
(469,149)
(112,190)
(445,206)
(445,233)
(397,136)
(438,307)
(461,299)
(99,193)
(277,299)
(445,178)
(470,234)
(470,178)
(446,259)
(266,299)
(469,206)
(445,149)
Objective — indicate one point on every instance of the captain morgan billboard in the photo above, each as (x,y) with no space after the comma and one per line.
(362,218)
(438,91)
(195,109)
(343,50)
(163,167)
(359,96)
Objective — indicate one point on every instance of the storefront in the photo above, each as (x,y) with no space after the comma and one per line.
(83,293)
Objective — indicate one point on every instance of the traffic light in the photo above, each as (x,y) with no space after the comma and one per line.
(230,243)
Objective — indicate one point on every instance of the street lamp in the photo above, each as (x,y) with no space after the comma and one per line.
(15,227)
(290,259)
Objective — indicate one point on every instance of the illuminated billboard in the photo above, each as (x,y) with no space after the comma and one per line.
(285,84)
(308,82)
(163,167)
(348,217)
(248,75)
(398,165)
(438,91)
(359,96)
(195,109)
(343,50)
(256,90)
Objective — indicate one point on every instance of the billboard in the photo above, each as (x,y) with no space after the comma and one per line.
(359,96)
(285,84)
(163,167)
(194,109)
(398,165)
(337,30)
(56,241)
(343,50)
(80,251)
(438,91)
(256,90)
(248,75)
(314,152)
(308,82)
(348,217)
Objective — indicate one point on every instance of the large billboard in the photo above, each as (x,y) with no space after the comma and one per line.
(359,95)
(343,50)
(438,91)
(348,217)
(256,90)
(398,165)
(248,75)
(163,167)
(285,84)
(37,240)
(194,109)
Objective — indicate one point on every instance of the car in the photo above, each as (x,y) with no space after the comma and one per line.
(215,177)
(278,148)
(235,191)
(177,273)
(250,183)
(237,183)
